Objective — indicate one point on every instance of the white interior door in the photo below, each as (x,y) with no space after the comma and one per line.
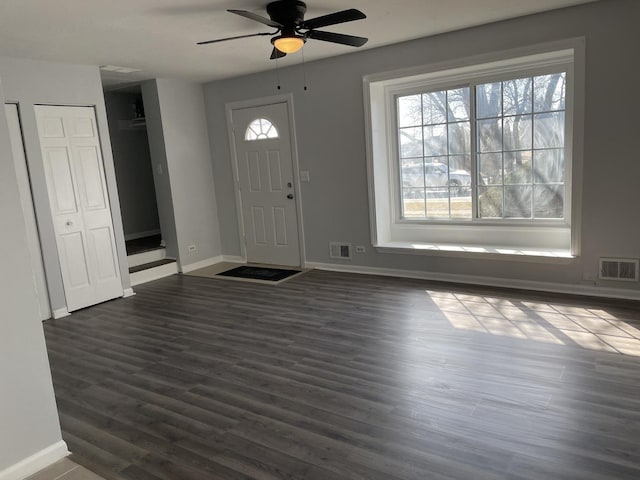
(266,183)
(79,204)
(33,241)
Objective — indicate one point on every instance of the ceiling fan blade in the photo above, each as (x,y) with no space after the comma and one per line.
(206,42)
(337,38)
(275,53)
(334,18)
(257,18)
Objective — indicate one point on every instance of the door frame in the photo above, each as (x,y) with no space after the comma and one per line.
(262,102)
(31,224)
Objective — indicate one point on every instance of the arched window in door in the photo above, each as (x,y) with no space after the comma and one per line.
(261,129)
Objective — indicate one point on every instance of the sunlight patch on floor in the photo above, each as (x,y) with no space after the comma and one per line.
(589,328)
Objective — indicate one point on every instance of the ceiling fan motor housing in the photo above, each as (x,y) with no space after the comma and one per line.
(289,13)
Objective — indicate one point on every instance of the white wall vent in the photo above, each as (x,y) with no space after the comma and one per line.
(340,250)
(623,269)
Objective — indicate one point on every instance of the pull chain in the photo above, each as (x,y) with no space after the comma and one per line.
(277,74)
(304,70)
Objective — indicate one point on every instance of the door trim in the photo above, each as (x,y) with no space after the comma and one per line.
(261,102)
(34,242)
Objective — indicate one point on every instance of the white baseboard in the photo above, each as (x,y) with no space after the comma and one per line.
(148,233)
(35,462)
(233,259)
(128,292)
(201,264)
(585,290)
(211,261)
(60,313)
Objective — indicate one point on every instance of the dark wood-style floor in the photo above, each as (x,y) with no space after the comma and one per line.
(340,376)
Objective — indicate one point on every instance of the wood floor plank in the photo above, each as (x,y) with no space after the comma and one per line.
(334,376)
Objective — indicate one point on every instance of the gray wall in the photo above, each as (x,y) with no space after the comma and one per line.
(331,139)
(164,199)
(132,162)
(28,417)
(31,82)
(178,138)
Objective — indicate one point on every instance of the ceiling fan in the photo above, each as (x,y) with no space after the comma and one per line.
(287,16)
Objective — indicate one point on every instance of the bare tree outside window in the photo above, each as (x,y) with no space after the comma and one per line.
(519,144)
(523,171)
(435,154)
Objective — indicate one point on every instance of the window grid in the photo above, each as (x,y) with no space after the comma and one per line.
(525,122)
(534,187)
(436,156)
(260,129)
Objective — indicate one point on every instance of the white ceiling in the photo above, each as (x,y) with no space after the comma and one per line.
(159,36)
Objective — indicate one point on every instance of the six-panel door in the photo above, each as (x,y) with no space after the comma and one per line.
(265,173)
(79,204)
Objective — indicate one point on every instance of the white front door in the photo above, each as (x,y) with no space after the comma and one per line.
(79,204)
(263,146)
(33,241)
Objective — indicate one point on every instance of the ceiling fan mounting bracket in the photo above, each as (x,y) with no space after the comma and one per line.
(289,13)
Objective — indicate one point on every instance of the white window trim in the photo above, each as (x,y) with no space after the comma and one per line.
(558,239)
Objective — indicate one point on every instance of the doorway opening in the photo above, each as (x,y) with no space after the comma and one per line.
(134,168)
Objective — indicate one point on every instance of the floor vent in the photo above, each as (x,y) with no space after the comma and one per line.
(619,269)
(340,250)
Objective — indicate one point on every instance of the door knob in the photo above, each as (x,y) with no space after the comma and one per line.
(69,223)
(290,196)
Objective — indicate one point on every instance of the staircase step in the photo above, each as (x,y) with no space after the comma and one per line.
(152,271)
(146,257)
(147,266)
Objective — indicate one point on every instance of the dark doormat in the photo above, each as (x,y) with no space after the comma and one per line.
(259,273)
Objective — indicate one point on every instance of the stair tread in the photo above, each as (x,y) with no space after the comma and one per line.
(146,266)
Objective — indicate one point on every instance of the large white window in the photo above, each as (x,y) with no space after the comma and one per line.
(476,158)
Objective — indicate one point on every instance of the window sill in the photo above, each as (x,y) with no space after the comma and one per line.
(477,251)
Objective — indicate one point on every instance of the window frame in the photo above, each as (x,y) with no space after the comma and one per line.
(473,81)
(395,94)
(390,230)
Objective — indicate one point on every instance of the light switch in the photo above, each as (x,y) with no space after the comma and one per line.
(304,176)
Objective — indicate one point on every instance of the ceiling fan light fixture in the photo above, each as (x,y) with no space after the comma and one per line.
(288,43)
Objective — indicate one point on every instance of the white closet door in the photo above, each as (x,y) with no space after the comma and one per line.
(79,204)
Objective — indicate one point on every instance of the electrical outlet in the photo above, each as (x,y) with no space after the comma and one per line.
(360,249)
(304,176)
(192,248)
